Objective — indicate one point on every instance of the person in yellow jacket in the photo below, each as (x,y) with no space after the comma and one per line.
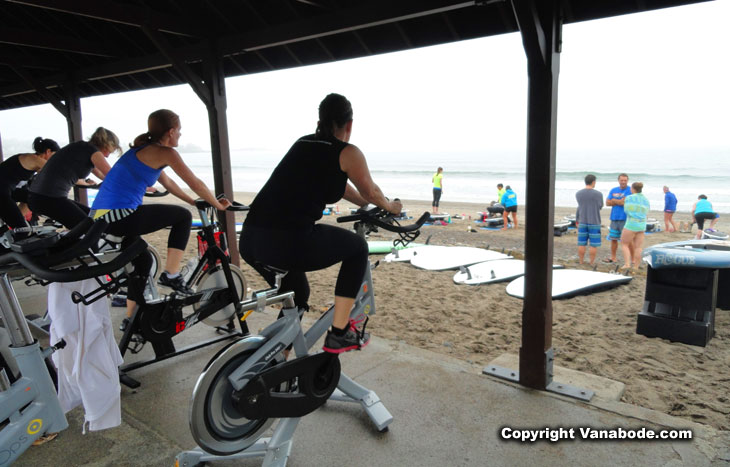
(438,188)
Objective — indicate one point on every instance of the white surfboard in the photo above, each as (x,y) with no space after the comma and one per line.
(489,272)
(570,282)
(443,258)
(407,254)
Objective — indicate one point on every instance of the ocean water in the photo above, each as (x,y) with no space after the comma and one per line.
(473,176)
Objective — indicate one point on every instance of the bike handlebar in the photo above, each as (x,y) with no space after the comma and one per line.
(53,275)
(381,218)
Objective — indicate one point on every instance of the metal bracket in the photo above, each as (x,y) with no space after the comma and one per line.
(556,387)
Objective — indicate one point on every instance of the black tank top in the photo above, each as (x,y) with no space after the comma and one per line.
(304,182)
(12,171)
(61,172)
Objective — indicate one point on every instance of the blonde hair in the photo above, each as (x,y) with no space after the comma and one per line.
(105,139)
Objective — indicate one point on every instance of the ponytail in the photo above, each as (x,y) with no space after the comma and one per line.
(158,124)
(334,112)
(41,145)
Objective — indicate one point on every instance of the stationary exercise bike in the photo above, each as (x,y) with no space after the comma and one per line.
(219,287)
(249,383)
(29,407)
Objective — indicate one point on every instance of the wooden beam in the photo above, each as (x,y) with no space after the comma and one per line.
(540,28)
(220,147)
(41,40)
(113,12)
(179,64)
(45,93)
(73,121)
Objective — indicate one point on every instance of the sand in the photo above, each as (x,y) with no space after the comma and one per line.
(594,333)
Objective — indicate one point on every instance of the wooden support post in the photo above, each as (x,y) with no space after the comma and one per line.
(540,27)
(220,150)
(73,119)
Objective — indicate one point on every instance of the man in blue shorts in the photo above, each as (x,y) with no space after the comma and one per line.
(615,199)
(588,219)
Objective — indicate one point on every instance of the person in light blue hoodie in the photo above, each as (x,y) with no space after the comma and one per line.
(509,201)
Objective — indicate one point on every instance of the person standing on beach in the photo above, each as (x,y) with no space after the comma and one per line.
(500,191)
(636,206)
(670,207)
(280,229)
(701,211)
(615,199)
(509,201)
(588,219)
(438,188)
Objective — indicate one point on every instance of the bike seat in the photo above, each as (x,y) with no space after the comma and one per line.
(275,270)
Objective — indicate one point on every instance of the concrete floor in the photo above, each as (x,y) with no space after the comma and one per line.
(446,413)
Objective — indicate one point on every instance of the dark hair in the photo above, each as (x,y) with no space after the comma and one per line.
(158,123)
(334,112)
(41,145)
(105,139)
(702,197)
(508,187)
(622,175)
(590,178)
(499,185)
(637,186)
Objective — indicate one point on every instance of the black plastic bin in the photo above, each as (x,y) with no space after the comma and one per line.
(679,305)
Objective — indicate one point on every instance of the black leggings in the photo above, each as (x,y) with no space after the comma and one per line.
(64,210)
(436,197)
(300,251)
(9,211)
(700,217)
(147,219)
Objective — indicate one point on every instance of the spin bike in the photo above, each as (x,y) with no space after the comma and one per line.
(29,407)
(219,287)
(249,384)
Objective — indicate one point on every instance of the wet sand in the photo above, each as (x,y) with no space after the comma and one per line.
(593,333)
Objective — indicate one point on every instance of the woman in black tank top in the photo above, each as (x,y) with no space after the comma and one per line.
(280,228)
(20,168)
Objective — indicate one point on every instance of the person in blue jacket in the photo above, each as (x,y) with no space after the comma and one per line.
(670,207)
(509,201)
(615,199)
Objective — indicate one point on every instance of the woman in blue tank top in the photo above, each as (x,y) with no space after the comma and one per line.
(119,201)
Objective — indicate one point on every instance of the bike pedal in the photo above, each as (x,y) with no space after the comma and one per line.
(137,343)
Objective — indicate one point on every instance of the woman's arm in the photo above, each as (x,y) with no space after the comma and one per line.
(353,196)
(101,166)
(174,188)
(174,161)
(352,162)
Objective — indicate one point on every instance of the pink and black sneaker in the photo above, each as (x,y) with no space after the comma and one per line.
(351,340)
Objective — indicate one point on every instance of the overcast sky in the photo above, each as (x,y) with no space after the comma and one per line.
(645,81)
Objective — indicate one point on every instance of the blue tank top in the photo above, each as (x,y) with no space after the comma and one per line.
(703,206)
(126,183)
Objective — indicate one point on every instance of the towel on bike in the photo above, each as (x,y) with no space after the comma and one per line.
(88,371)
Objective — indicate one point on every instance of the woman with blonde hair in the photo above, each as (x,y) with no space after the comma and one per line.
(48,192)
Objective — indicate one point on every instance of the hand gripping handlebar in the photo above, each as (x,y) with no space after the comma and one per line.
(382,218)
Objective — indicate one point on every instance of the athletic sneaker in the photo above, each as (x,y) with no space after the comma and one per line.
(351,340)
(176,283)
(125,323)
